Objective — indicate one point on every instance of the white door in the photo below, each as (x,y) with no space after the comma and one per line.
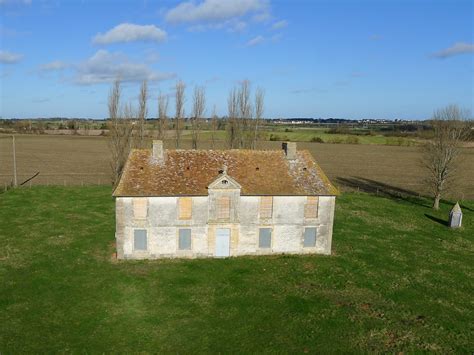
(222,242)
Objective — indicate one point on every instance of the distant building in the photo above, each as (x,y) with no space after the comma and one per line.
(207,203)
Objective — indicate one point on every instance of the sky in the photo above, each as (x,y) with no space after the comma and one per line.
(348,59)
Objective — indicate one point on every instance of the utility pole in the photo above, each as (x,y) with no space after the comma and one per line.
(15,181)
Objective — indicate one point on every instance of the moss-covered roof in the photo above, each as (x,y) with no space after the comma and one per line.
(189,173)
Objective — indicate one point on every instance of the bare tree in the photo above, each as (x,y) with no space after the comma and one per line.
(142,113)
(442,152)
(245,114)
(120,131)
(233,127)
(214,127)
(179,102)
(162,115)
(199,106)
(259,107)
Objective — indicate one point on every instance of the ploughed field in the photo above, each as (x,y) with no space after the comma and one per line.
(76,160)
(398,281)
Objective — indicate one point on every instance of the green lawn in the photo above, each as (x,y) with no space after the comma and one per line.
(398,280)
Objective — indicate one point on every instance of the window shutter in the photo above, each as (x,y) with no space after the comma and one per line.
(265,238)
(223,207)
(184,242)
(140,206)
(266,206)
(139,239)
(309,238)
(311,207)
(185,207)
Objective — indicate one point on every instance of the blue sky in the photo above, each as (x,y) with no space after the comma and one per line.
(351,59)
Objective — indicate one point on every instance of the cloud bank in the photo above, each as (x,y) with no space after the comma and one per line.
(105,67)
(129,32)
(7,57)
(456,49)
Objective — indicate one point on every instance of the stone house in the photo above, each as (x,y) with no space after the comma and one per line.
(219,203)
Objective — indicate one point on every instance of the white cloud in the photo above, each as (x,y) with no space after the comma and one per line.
(279,25)
(129,32)
(456,49)
(51,66)
(104,67)
(254,41)
(214,10)
(7,57)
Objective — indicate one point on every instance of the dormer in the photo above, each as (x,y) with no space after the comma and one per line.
(224,198)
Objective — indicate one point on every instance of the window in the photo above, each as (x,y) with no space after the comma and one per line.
(223,207)
(184,242)
(265,238)
(311,207)
(140,208)
(139,239)
(185,207)
(309,237)
(266,206)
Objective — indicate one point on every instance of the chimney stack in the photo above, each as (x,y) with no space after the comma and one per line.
(158,151)
(290,150)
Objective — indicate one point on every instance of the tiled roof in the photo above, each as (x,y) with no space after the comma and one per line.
(189,172)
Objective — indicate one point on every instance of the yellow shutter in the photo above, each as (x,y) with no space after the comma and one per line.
(140,207)
(223,207)
(185,207)
(266,206)
(311,207)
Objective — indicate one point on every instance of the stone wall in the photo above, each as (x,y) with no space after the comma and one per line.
(162,226)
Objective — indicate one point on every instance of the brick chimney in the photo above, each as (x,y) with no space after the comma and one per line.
(290,150)
(159,152)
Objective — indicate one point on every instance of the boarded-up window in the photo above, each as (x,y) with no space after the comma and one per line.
(266,206)
(309,237)
(184,242)
(265,238)
(139,239)
(311,207)
(140,206)
(223,207)
(185,206)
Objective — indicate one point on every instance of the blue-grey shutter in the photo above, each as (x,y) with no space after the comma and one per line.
(139,239)
(265,238)
(185,239)
(309,239)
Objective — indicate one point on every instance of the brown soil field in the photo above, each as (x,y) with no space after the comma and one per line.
(376,168)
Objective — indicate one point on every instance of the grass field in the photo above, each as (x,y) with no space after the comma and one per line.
(77,160)
(398,280)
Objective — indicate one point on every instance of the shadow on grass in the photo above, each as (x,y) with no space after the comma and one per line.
(382,189)
(436,219)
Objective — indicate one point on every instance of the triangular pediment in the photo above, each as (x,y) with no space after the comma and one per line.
(224,182)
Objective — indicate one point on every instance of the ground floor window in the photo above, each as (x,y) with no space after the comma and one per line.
(184,242)
(309,237)
(265,238)
(140,239)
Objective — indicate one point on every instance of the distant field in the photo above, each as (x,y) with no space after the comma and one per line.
(399,281)
(86,160)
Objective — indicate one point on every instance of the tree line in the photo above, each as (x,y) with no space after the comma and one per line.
(127,124)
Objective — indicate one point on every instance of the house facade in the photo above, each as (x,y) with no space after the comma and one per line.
(197,203)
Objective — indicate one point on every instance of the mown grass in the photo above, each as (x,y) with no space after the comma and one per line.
(398,280)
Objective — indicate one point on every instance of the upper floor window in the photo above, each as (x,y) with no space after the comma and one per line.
(311,207)
(140,207)
(185,206)
(223,207)
(266,206)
